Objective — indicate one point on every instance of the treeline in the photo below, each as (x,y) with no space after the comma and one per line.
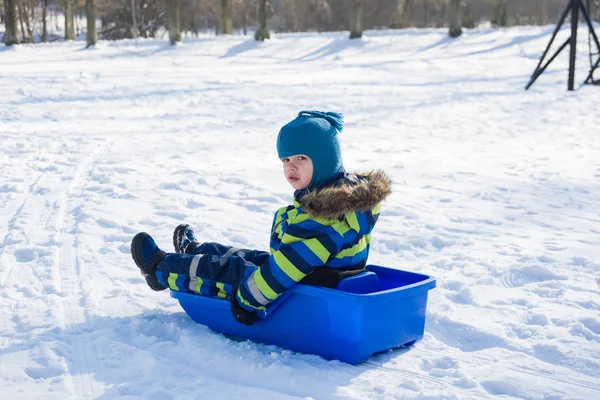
(46,20)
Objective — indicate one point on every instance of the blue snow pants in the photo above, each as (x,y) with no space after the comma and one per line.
(212,270)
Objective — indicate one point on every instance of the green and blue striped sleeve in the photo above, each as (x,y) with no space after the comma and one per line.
(306,245)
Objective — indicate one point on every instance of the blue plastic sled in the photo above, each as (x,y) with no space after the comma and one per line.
(381,309)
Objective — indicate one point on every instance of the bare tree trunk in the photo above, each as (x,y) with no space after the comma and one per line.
(90,16)
(244,18)
(173,21)
(44,25)
(262,32)
(134,26)
(356,31)
(75,20)
(500,17)
(544,14)
(27,20)
(226,20)
(454,19)
(69,20)
(401,21)
(11,36)
(444,16)
(467,19)
(143,30)
(23,32)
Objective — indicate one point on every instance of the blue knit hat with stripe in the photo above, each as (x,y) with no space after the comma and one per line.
(315,134)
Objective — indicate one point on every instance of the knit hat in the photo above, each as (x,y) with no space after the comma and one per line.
(315,134)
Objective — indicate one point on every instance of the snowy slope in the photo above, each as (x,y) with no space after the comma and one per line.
(496,194)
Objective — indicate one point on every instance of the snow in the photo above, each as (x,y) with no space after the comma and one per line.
(496,194)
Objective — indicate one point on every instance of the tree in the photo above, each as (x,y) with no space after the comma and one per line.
(26,29)
(467,18)
(499,17)
(44,37)
(90,16)
(226,20)
(11,36)
(23,32)
(173,22)
(401,14)
(540,12)
(69,20)
(356,31)
(262,32)
(246,4)
(454,19)
(594,6)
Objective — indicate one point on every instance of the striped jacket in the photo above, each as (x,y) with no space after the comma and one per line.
(329,226)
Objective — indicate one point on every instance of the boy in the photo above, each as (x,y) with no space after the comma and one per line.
(320,239)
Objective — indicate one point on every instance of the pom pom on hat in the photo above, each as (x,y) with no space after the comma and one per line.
(335,119)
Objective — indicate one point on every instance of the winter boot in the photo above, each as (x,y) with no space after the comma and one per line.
(184,240)
(147,255)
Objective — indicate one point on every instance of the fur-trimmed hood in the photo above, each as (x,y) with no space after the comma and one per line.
(358,192)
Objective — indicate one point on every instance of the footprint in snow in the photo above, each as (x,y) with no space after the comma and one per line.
(173,214)
(465,337)
(253,207)
(236,181)
(30,254)
(7,188)
(45,372)
(122,170)
(191,203)
(593,324)
(579,329)
(117,238)
(463,296)
(439,243)
(521,276)
(500,388)
(106,223)
(447,367)
(99,177)
(440,363)
(170,186)
(580,261)
(394,245)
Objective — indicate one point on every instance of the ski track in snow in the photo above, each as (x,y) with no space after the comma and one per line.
(496,194)
(70,283)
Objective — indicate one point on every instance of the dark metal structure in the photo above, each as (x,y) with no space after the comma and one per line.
(574,6)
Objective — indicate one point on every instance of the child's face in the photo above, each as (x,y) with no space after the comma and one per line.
(298,170)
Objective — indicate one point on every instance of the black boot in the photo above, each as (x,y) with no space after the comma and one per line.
(184,240)
(147,255)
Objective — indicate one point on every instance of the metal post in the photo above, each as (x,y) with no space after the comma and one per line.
(541,70)
(592,33)
(574,22)
(588,20)
(538,70)
(561,20)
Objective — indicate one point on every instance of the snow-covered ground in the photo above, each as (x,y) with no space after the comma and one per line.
(496,194)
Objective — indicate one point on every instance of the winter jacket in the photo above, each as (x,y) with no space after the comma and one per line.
(329,226)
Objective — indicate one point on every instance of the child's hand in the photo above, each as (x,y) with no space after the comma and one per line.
(240,314)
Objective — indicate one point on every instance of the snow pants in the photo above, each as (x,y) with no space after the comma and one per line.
(212,270)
